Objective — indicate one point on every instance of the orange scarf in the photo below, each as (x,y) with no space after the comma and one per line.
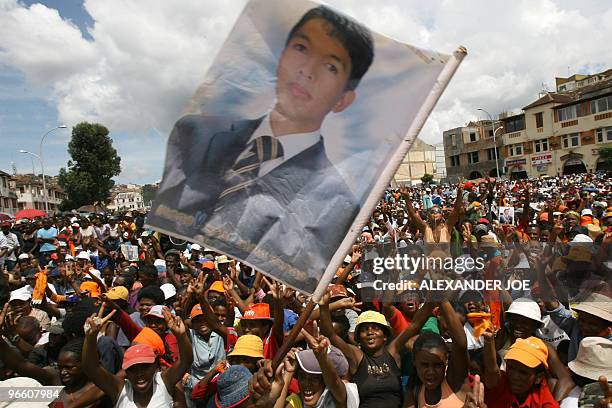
(481,322)
(40,287)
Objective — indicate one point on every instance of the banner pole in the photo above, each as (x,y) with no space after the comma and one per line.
(417,124)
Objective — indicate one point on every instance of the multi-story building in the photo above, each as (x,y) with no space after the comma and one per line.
(8,196)
(471,152)
(421,159)
(561,133)
(30,193)
(126,197)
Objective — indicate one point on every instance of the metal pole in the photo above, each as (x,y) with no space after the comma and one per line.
(42,166)
(494,142)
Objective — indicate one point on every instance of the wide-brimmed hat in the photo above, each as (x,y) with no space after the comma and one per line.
(233,387)
(370,316)
(578,253)
(596,304)
(487,241)
(248,345)
(257,311)
(527,308)
(593,358)
(530,351)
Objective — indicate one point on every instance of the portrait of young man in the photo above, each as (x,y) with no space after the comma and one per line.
(267,183)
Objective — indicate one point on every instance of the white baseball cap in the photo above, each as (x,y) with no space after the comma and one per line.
(582,238)
(586,211)
(23,256)
(169,290)
(20,294)
(83,255)
(95,273)
(196,247)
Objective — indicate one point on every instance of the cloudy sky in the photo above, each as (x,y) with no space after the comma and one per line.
(134,65)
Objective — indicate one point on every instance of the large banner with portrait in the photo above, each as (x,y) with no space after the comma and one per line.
(283,142)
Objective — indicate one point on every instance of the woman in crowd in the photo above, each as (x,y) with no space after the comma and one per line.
(144,385)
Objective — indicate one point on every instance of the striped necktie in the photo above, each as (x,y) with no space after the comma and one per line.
(244,172)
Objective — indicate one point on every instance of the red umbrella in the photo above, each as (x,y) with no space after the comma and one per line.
(29,213)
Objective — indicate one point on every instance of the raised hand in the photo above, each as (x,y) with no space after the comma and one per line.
(228,283)
(605,387)
(96,321)
(318,343)
(175,323)
(475,398)
(325,298)
(348,303)
(357,253)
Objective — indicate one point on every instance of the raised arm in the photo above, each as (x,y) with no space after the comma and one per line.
(459,360)
(320,346)
(176,372)
(398,345)
(352,353)
(492,374)
(457,208)
(412,214)
(107,382)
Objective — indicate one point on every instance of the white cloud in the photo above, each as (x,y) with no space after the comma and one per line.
(145,59)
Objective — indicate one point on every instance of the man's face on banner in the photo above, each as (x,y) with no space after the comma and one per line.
(312,74)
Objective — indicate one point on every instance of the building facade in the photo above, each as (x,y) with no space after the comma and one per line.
(471,151)
(561,133)
(126,197)
(440,163)
(30,193)
(8,195)
(421,159)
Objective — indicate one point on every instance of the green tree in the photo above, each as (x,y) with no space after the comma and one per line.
(94,163)
(148,193)
(605,153)
(427,178)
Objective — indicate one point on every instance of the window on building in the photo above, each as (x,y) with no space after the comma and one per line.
(515,149)
(490,132)
(491,153)
(604,135)
(601,104)
(567,113)
(540,145)
(473,157)
(455,161)
(472,137)
(514,124)
(572,140)
(539,118)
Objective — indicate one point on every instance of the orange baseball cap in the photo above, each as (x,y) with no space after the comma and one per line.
(530,351)
(257,311)
(217,286)
(196,311)
(208,265)
(544,216)
(91,287)
(138,354)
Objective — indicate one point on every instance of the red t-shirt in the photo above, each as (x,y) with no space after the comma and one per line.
(270,347)
(501,396)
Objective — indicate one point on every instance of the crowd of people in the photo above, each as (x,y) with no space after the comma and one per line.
(120,315)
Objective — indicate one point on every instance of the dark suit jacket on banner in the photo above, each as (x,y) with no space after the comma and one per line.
(288,224)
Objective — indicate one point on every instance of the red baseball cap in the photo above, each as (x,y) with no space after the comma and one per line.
(138,354)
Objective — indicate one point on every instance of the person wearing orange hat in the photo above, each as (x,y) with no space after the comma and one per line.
(144,383)
(247,352)
(256,320)
(208,348)
(523,383)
